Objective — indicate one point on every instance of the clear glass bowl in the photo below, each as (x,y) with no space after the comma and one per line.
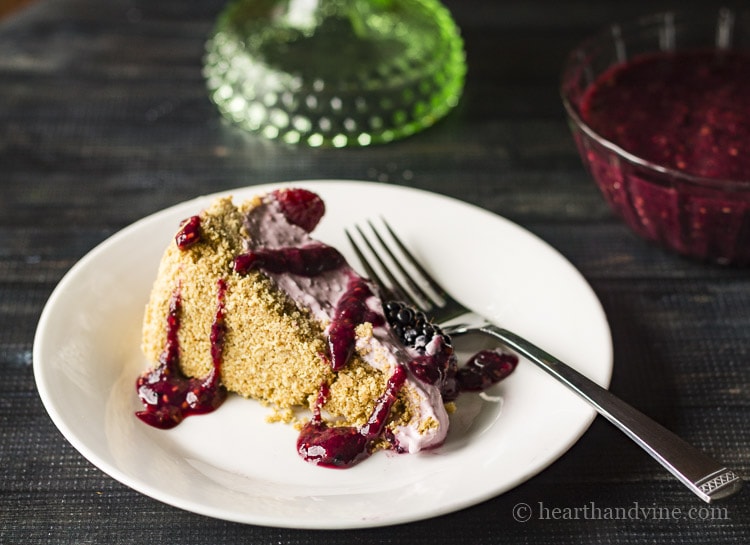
(700,217)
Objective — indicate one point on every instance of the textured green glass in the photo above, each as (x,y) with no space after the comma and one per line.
(335,72)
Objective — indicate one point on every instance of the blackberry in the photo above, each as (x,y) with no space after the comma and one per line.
(411,326)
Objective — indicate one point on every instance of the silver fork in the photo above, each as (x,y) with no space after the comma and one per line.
(706,478)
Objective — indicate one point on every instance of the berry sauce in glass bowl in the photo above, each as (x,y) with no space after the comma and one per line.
(688,111)
(665,131)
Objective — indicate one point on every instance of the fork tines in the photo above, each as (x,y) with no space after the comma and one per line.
(393,267)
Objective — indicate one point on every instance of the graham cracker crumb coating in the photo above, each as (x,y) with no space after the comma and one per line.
(272,350)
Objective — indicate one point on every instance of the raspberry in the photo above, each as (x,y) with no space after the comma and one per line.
(300,207)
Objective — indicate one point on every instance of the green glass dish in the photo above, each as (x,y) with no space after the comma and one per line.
(335,72)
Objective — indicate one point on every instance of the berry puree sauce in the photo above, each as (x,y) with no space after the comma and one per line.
(169,396)
(688,111)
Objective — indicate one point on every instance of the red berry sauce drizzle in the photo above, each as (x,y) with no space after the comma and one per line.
(309,260)
(169,396)
(484,369)
(351,310)
(345,446)
(189,233)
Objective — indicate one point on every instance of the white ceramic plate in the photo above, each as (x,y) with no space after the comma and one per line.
(233,465)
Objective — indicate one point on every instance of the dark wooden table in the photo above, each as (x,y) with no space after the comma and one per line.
(104,119)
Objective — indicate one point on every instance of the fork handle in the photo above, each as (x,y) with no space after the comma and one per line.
(705,477)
